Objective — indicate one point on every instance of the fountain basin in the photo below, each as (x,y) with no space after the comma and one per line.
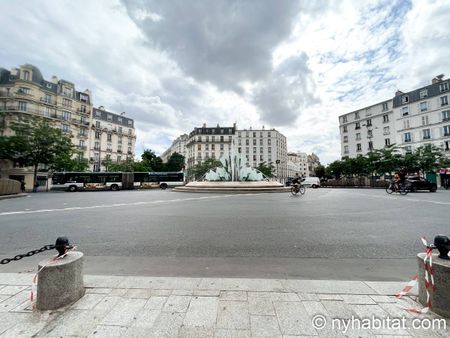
(241,187)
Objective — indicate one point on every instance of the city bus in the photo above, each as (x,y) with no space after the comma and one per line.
(77,181)
(161,180)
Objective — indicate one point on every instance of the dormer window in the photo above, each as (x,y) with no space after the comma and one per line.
(405,99)
(26,75)
(443,87)
(423,93)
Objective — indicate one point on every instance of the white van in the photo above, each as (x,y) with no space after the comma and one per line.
(312,182)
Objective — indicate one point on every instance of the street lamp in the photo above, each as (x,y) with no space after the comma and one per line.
(277,162)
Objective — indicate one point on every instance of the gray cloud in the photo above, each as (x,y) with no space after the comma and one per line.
(221,42)
(289,89)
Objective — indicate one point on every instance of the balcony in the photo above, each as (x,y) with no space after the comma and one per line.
(119,150)
(47,101)
(82,147)
(130,152)
(446,119)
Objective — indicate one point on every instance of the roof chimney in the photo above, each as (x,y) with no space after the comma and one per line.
(398,93)
(437,79)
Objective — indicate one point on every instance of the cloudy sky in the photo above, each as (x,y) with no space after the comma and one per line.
(290,65)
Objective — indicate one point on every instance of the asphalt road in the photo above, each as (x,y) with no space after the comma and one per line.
(351,234)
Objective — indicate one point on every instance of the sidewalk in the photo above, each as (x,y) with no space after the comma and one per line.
(116,306)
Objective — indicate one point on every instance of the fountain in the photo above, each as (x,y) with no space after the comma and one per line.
(235,175)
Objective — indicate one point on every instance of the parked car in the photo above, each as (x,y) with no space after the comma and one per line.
(419,183)
(312,182)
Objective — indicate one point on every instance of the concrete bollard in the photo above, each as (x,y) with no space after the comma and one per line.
(60,283)
(440,299)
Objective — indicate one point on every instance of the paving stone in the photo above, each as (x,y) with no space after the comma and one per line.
(314,308)
(14,301)
(4,297)
(264,327)
(164,283)
(207,293)
(202,312)
(88,301)
(28,328)
(11,290)
(233,295)
(293,319)
(358,299)
(107,303)
(308,296)
(390,288)
(118,292)
(195,332)
(177,304)
(329,296)
(167,325)
(155,303)
(93,281)
(108,331)
(124,312)
(99,290)
(146,318)
(11,321)
(241,284)
(79,323)
(338,309)
(138,293)
(375,311)
(327,286)
(182,292)
(261,306)
(233,315)
(161,292)
(396,311)
(383,299)
(284,297)
(223,333)
(16,279)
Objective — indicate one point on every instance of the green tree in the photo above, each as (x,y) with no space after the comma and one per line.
(429,158)
(266,169)
(153,161)
(64,162)
(320,171)
(130,165)
(175,162)
(36,142)
(389,159)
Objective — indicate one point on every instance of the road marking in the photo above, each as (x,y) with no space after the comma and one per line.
(28,211)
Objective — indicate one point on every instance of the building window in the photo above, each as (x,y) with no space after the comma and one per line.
(356,115)
(26,75)
(213,146)
(269,142)
(358,136)
(358,147)
(405,111)
(386,131)
(83,131)
(261,158)
(405,99)
(254,142)
(369,133)
(423,93)
(447,130)
(385,106)
(254,134)
(24,90)
(407,137)
(109,117)
(97,146)
(408,149)
(344,119)
(65,128)
(444,100)
(261,142)
(446,115)
(199,139)
(199,147)
(369,123)
(268,134)
(443,86)
(67,102)
(213,138)
(426,134)
(221,146)
(425,120)
(120,130)
(344,129)
(221,138)
(254,149)
(109,137)
(22,106)
(385,118)
(345,149)
(84,98)
(423,106)
(66,115)
(405,124)
(387,142)
(370,145)
(47,98)
(269,150)
(261,150)
(97,135)
(247,142)
(345,139)
(357,125)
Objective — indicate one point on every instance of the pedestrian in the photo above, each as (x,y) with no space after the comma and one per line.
(35,187)
(22,185)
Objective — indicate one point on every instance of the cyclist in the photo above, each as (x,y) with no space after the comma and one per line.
(297,178)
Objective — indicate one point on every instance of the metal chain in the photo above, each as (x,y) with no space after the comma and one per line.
(28,254)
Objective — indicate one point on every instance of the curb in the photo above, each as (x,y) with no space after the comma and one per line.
(5,197)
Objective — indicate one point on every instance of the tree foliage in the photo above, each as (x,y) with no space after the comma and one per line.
(175,162)
(199,170)
(36,142)
(266,168)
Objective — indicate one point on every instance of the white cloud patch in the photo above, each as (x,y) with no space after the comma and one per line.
(174,65)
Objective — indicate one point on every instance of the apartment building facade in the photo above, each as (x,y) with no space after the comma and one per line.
(298,163)
(25,92)
(410,120)
(112,139)
(177,146)
(256,146)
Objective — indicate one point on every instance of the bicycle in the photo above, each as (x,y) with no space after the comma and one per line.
(401,188)
(297,188)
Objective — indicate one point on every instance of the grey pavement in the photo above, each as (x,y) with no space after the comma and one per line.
(347,234)
(131,306)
